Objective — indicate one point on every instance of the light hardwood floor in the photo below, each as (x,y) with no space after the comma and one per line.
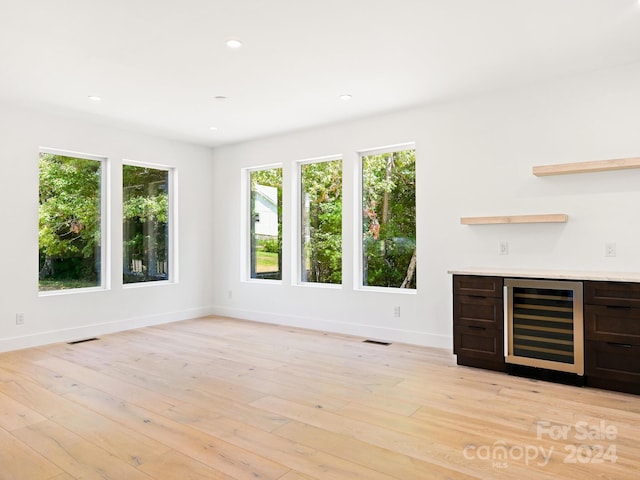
(217,398)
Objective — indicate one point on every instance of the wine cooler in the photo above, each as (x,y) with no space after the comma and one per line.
(544,324)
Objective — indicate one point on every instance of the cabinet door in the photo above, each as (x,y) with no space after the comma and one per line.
(612,324)
(477,286)
(619,294)
(478,311)
(614,366)
(479,347)
(612,335)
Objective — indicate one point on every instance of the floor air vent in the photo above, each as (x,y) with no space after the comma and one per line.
(376,342)
(83,341)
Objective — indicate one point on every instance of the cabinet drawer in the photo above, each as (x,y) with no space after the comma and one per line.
(612,324)
(478,311)
(477,286)
(612,293)
(478,343)
(613,366)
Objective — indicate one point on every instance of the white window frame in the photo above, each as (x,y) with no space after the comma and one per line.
(172,217)
(297,221)
(358,264)
(105,220)
(245,224)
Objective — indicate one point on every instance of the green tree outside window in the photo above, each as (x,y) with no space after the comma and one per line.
(321,222)
(145,217)
(69,238)
(389,219)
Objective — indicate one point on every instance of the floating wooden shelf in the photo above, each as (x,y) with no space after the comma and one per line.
(548,218)
(586,167)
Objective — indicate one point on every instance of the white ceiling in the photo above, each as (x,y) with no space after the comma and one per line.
(159,64)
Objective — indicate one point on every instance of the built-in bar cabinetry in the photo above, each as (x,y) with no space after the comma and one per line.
(612,335)
(478,330)
(611,323)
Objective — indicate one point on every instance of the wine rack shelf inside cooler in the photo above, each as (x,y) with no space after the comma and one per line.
(545,324)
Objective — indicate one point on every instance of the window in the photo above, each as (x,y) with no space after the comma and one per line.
(321,222)
(389,219)
(70,221)
(266,223)
(145,224)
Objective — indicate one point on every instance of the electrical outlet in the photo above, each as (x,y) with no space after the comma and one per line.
(396,311)
(609,249)
(503,249)
(230,294)
(19,318)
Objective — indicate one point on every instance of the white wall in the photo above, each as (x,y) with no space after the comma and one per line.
(474,157)
(80,315)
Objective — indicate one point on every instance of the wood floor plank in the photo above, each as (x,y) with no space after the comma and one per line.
(206,406)
(164,377)
(75,455)
(306,386)
(177,466)
(15,415)
(222,399)
(62,476)
(28,370)
(186,402)
(294,455)
(194,395)
(19,461)
(293,475)
(261,379)
(207,449)
(128,445)
(481,432)
(145,398)
(439,453)
(379,459)
(216,348)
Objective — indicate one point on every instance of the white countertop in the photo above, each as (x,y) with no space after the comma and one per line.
(548,273)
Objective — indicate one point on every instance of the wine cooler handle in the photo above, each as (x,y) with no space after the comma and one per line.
(505,315)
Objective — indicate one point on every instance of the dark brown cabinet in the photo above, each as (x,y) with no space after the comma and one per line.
(478,326)
(612,335)
(611,329)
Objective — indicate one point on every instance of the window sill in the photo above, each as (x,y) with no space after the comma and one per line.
(72,291)
(329,286)
(262,281)
(398,291)
(127,286)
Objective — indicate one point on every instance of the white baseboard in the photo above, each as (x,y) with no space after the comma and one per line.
(346,328)
(95,330)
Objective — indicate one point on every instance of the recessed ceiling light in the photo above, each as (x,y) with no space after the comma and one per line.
(94,98)
(345,97)
(221,98)
(213,129)
(233,43)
